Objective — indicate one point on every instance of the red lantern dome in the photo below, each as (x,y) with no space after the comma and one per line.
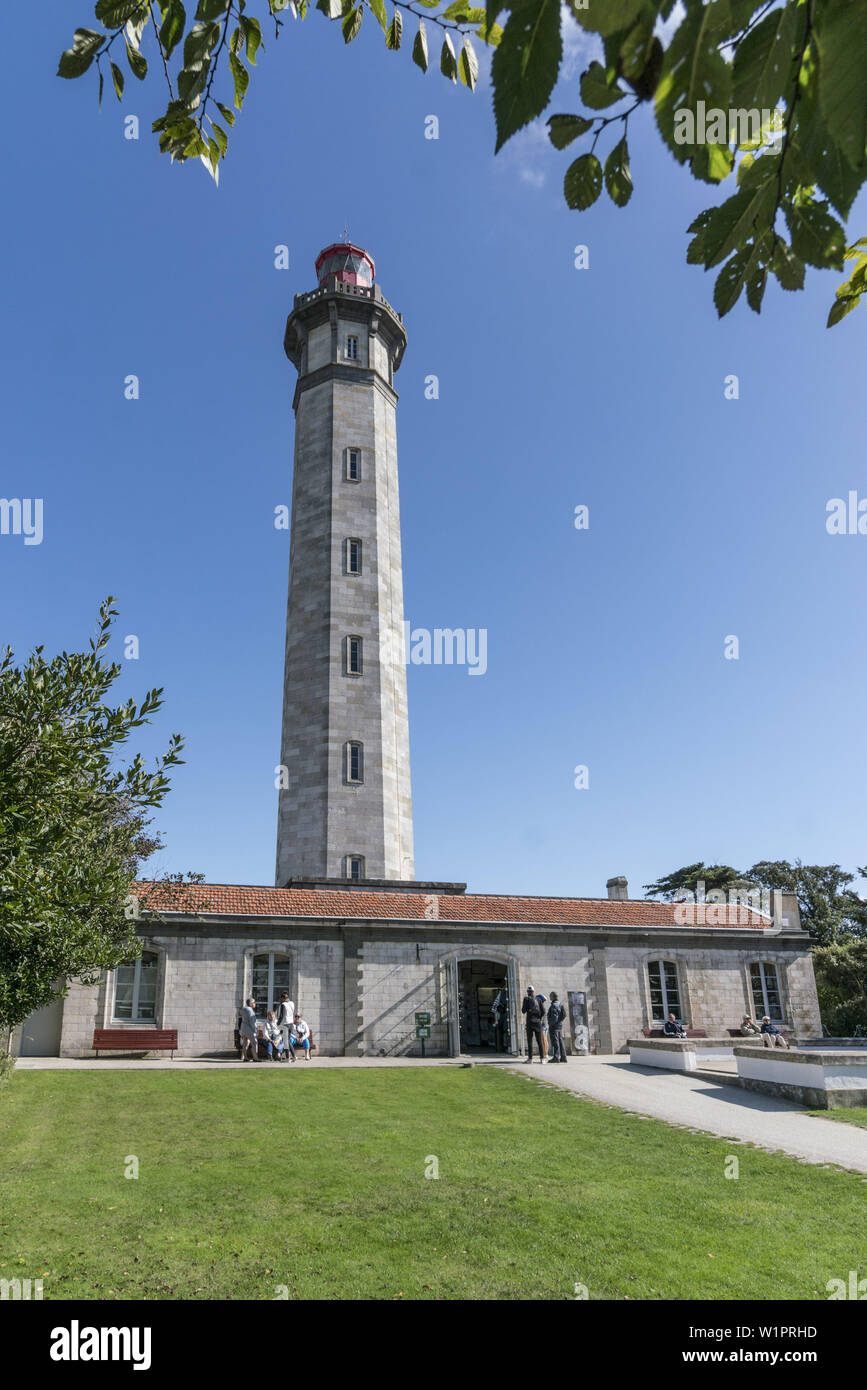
(349,263)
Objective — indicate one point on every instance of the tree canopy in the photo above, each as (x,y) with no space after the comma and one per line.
(770,94)
(830,909)
(74,825)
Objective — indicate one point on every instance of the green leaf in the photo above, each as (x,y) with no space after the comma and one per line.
(583,182)
(841,35)
(756,289)
(744,215)
(191,81)
(395,31)
(101,86)
(695,252)
(730,282)
(117,79)
(200,43)
(596,91)
(137,62)
(608,17)
(693,70)
(211,9)
(419,47)
(252,32)
(226,112)
(448,61)
(241,78)
(351,25)
(332,8)
(634,50)
(712,163)
(115,13)
(525,65)
(86,43)
(562,130)
(618,177)
(378,8)
(763,61)
(221,136)
(841,307)
(468,65)
(817,237)
(173,25)
(788,268)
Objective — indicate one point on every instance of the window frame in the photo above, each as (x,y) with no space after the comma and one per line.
(763,966)
(272,990)
(136,1016)
(347,555)
(353,745)
(348,668)
(352,347)
(352,450)
(349,861)
(665,990)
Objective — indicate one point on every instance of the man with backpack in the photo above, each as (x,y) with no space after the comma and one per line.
(534,1012)
(556,1015)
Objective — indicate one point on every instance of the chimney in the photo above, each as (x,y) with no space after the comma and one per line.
(618,888)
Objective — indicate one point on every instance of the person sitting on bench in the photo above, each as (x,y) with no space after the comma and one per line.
(272,1036)
(771,1035)
(299,1036)
(673,1028)
(748,1027)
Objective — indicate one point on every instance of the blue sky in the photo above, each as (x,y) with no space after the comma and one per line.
(558,387)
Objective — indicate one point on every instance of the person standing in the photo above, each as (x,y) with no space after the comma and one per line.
(532,1010)
(285,1018)
(556,1015)
(543,1005)
(249,1031)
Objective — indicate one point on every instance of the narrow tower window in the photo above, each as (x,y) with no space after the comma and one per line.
(353,556)
(352,348)
(353,465)
(353,656)
(354,762)
(353,866)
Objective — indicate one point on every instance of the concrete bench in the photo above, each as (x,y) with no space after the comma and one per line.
(135,1040)
(821,1078)
(679,1054)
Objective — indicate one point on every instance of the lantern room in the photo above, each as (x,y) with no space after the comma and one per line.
(348,263)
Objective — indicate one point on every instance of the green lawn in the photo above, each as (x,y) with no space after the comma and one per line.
(857,1115)
(316,1180)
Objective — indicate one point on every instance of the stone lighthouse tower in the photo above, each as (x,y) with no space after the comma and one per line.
(346,809)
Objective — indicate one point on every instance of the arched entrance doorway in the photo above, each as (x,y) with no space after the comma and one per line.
(482,1006)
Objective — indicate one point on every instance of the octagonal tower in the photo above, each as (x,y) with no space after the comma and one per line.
(346,811)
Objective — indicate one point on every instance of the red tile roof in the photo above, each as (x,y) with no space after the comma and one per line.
(251,901)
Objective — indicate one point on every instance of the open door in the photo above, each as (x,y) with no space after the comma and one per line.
(453,1007)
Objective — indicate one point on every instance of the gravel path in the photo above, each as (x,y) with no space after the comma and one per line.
(710,1107)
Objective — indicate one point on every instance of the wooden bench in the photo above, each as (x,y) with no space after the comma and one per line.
(135,1040)
(690,1033)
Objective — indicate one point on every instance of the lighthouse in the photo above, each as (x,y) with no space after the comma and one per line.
(345,804)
